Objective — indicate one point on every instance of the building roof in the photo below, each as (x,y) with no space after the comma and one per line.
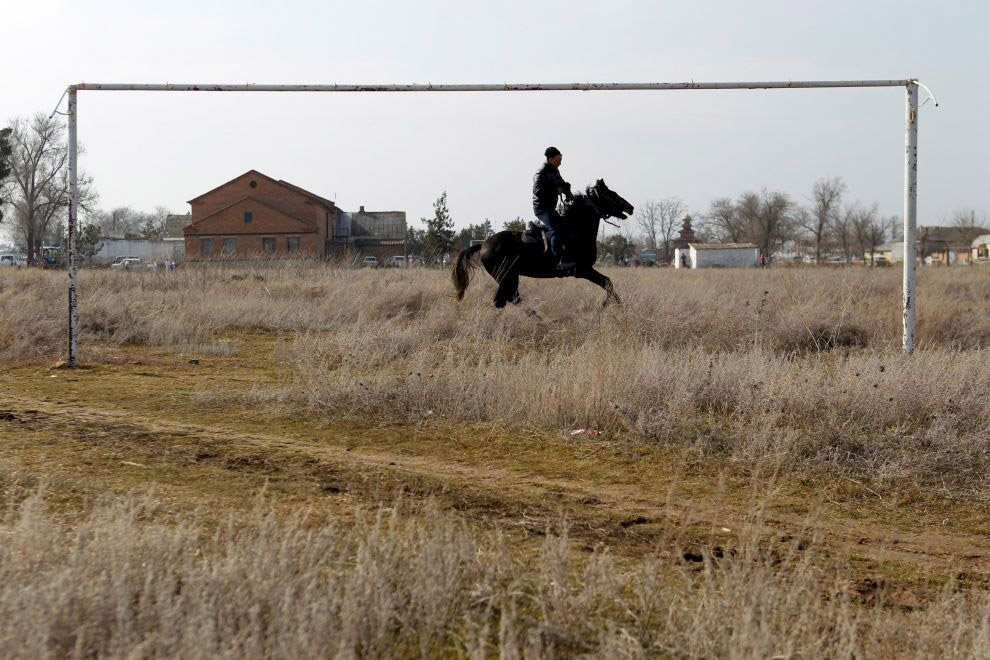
(192,228)
(950,236)
(723,246)
(981,240)
(378,224)
(175,223)
(322,200)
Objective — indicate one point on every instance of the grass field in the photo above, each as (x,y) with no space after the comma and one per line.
(282,461)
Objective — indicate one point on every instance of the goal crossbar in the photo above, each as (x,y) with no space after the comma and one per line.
(910,151)
(503,87)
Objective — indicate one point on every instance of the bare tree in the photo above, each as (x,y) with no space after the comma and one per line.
(672,210)
(5,182)
(771,219)
(658,221)
(869,231)
(38,163)
(965,221)
(724,221)
(118,222)
(826,198)
(648,219)
(153,223)
(843,230)
(765,218)
(892,227)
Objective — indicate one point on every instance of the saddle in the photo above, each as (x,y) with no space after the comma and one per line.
(536,234)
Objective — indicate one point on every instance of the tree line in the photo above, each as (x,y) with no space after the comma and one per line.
(34,196)
(828,226)
(438,238)
(34,192)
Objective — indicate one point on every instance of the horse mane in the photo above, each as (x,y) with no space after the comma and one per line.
(582,202)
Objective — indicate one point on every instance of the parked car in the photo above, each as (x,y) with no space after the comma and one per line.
(125,263)
(17,260)
(397,261)
(369,262)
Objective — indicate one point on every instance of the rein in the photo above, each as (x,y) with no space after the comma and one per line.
(604,217)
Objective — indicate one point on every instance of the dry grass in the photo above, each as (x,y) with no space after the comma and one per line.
(787,311)
(798,366)
(788,371)
(115,583)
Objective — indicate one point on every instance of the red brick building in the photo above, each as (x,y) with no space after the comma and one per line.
(255,216)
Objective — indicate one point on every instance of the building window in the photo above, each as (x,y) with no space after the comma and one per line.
(292,244)
(248,217)
(268,245)
(229,247)
(206,247)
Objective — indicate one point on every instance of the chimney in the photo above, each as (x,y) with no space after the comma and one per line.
(361,210)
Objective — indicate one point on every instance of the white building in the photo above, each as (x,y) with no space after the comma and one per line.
(717,255)
(981,249)
(889,252)
(146,250)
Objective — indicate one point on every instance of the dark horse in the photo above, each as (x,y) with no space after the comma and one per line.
(506,255)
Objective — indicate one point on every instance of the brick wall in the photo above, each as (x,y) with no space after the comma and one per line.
(277,211)
(251,246)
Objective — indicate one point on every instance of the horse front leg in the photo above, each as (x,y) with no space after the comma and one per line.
(611,297)
(592,275)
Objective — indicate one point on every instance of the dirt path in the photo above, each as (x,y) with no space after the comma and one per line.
(335,467)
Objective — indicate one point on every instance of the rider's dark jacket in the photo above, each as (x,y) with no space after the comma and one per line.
(547,185)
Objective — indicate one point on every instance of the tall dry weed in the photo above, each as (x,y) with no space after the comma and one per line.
(113,583)
(799,365)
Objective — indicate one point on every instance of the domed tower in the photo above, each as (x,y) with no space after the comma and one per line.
(686,235)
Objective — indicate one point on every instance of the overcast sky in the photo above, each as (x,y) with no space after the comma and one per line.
(400,151)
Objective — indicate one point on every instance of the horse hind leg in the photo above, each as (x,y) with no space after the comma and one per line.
(508,291)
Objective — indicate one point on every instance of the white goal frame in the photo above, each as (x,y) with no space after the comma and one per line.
(910,150)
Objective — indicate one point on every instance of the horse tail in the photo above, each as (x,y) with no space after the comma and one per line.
(461,272)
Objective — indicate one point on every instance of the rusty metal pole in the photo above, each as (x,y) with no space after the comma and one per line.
(73,229)
(910,213)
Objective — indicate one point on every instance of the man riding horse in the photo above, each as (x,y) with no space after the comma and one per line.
(509,255)
(548,185)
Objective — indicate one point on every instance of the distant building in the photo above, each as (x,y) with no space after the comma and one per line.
(379,234)
(145,249)
(255,216)
(937,246)
(173,234)
(980,249)
(717,255)
(946,245)
(686,235)
(889,252)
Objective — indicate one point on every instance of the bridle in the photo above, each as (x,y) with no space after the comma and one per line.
(592,195)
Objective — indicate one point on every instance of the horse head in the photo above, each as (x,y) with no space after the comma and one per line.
(608,202)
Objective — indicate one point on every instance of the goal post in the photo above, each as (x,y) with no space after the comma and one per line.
(909,300)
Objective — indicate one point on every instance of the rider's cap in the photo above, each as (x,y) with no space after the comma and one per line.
(551,152)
